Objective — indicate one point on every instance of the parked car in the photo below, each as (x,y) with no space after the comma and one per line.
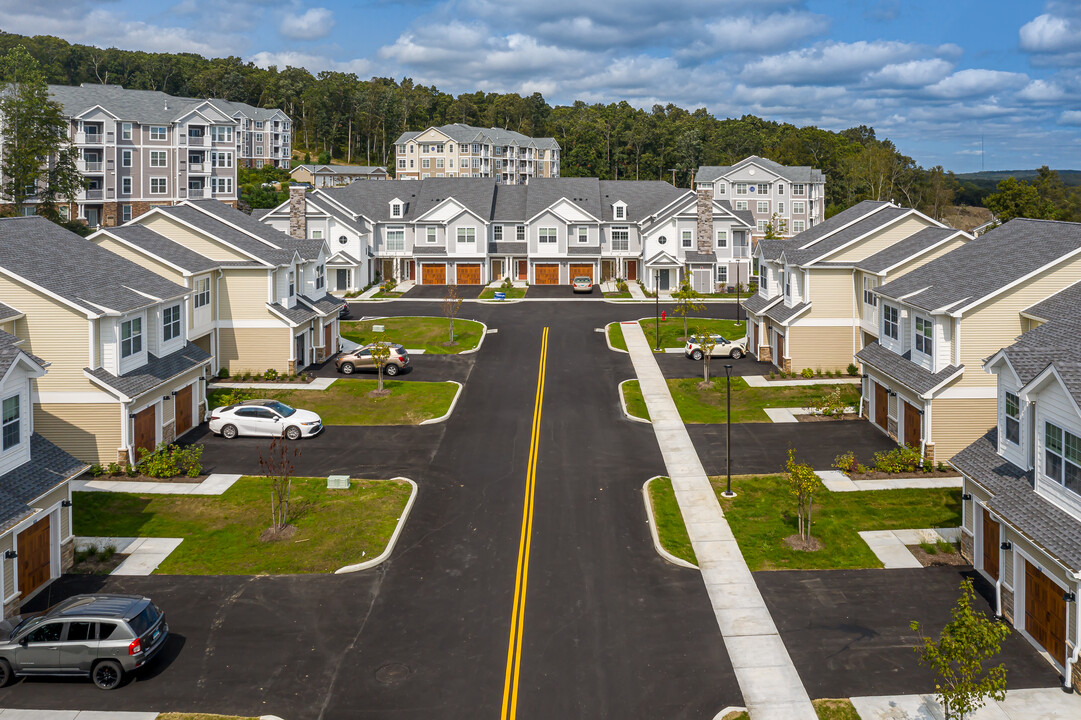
(349,362)
(722,348)
(344,312)
(264,418)
(99,636)
(582,283)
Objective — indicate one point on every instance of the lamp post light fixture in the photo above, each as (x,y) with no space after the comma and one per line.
(657,298)
(728,417)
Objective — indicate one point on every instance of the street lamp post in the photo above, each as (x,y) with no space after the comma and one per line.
(657,297)
(728,416)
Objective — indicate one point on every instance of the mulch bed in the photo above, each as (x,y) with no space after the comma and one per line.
(798,543)
(147,478)
(876,475)
(93,565)
(303,380)
(953,558)
(827,418)
(816,378)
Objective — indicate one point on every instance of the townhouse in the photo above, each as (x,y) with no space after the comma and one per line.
(123,375)
(1021,497)
(319,176)
(792,198)
(264,136)
(460,150)
(939,322)
(476,231)
(258,296)
(36,542)
(815,306)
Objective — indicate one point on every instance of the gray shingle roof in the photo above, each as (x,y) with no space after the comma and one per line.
(7,312)
(333,210)
(9,350)
(162,247)
(342,169)
(232,107)
(48,467)
(1013,499)
(984,265)
(903,370)
(792,173)
(429,250)
(697,257)
(324,305)
(508,248)
(342,258)
(462,133)
(141,106)
(584,250)
(907,249)
(782,313)
(308,248)
(772,249)
(156,372)
(757,303)
(76,269)
(1061,306)
(801,252)
(643,197)
(1053,343)
(296,314)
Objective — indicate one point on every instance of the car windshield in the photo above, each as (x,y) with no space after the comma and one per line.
(144,620)
(280,408)
(582,279)
(25,624)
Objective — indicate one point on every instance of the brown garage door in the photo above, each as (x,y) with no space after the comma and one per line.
(467,274)
(882,406)
(183,410)
(434,275)
(145,436)
(546,275)
(34,553)
(579,270)
(1045,612)
(990,545)
(912,426)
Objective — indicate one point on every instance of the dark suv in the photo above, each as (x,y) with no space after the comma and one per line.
(100,636)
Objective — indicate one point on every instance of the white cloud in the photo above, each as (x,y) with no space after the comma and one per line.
(768,33)
(970,83)
(313,24)
(361,67)
(1050,33)
(1070,117)
(1041,92)
(830,63)
(911,74)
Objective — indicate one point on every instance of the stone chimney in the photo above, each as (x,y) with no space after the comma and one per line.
(298,219)
(705,220)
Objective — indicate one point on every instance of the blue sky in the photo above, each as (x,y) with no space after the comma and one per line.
(934,76)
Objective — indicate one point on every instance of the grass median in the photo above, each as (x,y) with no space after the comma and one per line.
(672,331)
(513,293)
(825,708)
(763,514)
(708,405)
(222,533)
(430,334)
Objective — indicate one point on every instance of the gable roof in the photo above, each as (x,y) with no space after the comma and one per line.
(49,466)
(10,352)
(804,253)
(772,249)
(73,268)
(161,247)
(156,372)
(986,265)
(462,133)
(233,107)
(142,106)
(911,247)
(7,312)
(341,169)
(791,173)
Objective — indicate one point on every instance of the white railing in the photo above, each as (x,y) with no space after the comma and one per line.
(88,138)
(196,193)
(87,166)
(197,167)
(196,140)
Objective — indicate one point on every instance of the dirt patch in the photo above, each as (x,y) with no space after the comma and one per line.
(705,385)
(876,475)
(379,394)
(827,418)
(796,542)
(276,534)
(938,558)
(94,565)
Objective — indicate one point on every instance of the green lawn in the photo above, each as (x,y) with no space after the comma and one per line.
(512,293)
(670,528)
(419,333)
(708,406)
(672,329)
(346,402)
(389,295)
(334,528)
(618,295)
(763,513)
(615,336)
(826,709)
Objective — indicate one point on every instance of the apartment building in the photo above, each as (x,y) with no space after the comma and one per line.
(815,306)
(924,385)
(791,197)
(123,376)
(258,296)
(264,136)
(458,150)
(475,231)
(1021,526)
(319,176)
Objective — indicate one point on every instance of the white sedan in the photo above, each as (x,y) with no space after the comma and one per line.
(721,348)
(264,418)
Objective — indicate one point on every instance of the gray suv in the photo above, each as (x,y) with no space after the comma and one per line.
(100,636)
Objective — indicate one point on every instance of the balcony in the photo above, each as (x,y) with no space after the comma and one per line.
(95,194)
(198,168)
(89,138)
(90,167)
(198,193)
(196,140)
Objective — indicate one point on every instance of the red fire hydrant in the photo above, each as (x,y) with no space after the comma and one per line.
(664,315)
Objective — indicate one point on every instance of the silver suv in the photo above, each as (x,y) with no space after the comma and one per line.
(100,636)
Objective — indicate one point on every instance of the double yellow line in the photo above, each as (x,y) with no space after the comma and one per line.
(514,647)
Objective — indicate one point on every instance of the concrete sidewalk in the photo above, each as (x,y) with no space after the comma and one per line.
(768,680)
(215,484)
(145,554)
(1035,704)
(15,714)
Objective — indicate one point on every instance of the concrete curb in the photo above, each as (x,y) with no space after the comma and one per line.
(483,334)
(608,340)
(623,404)
(442,418)
(393,538)
(316,384)
(369,318)
(657,539)
(761,381)
(722,713)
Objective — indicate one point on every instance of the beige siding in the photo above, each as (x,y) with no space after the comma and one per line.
(52,498)
(54,332)
(831,294)
(881,240)
(142,260)
(242,295)
(819,348)
(191,239)
(302,175)
(90,432)
(957,422)
(254,349)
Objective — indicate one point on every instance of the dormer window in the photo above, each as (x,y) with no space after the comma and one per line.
(780,188)
(619,210)
(396,208)
(11,422)
(889,321)
(131,337)
(292,283)
(320,277)
(721,188)
(1013,418)
(170,323)
(1062,457)
(924,331)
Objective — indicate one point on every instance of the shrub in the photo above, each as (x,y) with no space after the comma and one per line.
(818,372)
(168,461)
(928,466)
(808,373)
(898,460)
(271,374)
(247,375)
(96,471)
(862,469)
(223,374)
(621,286)
(131,470)
(941,466)
(389,284)
(846,462)
(116,468)
(853,370)
(771,375)
(230,396)
(831,403)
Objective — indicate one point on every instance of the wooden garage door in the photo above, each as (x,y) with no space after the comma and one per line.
(434,274)
(467,274)
(34,554)
(145,435)
(989,556)
(578,270)
(546,275)
(1045,612)
(882,406)
(912,426)
(182,401)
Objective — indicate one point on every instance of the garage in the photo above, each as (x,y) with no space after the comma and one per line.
(546,274)
(35,553)
(432,274)
(146,437)
(183,410)
(1045,612)
(467,274)
(579,270)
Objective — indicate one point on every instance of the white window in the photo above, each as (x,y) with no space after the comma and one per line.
(741,188)
(450,164)
(431,235)
(170,323)
(688,238)
(583,234)
(722,273)
(1013,418)
(889,321)
(259,150)
(125,158)
(721,188)
(476,148)
(450,147)
(467,235)
(401,149)
(741,204)
(722,238)
(497,232)
(762,225)
(395,239)
(202,292)
(476,162)
(125,131)
(11,422)
(519,233)
(125,213)
(125,186)
(221,159)
(620,212)
(438,163)
(396,210)
(798,207)
(159,186)
(780,207)
(158,158)
(799,190)
(320,276)
(425,163)
(620,239)
(780,188)
(157,132)
(221,185)
(401,163)
(292,283)
(131,337)
(1062,457)
(547,235)
(258,124)
(224,133)
(763,206)
(317,234)
(798,226)
(924,331)
(869,297)
(62,210)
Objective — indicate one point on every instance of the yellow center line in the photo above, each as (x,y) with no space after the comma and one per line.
(514,647)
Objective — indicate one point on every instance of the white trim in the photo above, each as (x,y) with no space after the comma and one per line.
(450,410)
(623,404)
(1057,262)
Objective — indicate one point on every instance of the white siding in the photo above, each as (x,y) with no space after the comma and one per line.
(1055,406)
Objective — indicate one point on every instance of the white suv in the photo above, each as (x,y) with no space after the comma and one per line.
(721,348)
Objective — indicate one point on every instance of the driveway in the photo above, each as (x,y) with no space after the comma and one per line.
(549,292)
(430,368)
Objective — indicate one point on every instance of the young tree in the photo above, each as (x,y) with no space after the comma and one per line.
(277,465)
(452,303)
(803,483)
(686,303)
(35,133)
(957,658)
(707,342)
(774,227)
(380,356)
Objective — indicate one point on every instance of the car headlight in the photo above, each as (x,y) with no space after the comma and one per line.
(313,422)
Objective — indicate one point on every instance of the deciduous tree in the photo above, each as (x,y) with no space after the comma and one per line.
(686,303)
(803,483)
(452,303)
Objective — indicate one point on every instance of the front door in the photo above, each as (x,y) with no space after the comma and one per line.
(1045,612)
(182,401)
(35,553)
(145,436)
(754,339)
(608,269)
(328,339)
(342,279)
(662,281)
(523,269)
(632,270)
(412,269)
(779,359)
(912,427)
(497,270)
(301,351)
(882,406)
(989,556)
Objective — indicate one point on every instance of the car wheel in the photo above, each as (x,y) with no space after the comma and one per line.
(229,432)
(292,432)
(390,370)
(6,673)
(736,354)
(107,674)
(696,355)
(347,368)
